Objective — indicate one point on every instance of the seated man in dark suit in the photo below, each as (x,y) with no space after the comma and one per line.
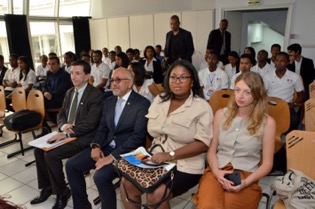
(123,128)
(55,86)
(79,117)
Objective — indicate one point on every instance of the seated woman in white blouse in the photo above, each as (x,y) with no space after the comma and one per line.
(151,65)
(143,86)
(27,76)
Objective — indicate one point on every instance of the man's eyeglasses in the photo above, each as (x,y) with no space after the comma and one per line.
(118,80)
(181,79)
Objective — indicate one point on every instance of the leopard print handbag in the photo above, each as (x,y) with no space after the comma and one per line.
(145,179)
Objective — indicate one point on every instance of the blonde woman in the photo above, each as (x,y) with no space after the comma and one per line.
(243,142)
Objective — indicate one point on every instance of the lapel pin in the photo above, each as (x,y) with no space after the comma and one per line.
(81,103)
(128,103)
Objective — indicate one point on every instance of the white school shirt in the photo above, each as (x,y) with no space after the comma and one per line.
(212,81)
(100,72)
(284,87)
(230,71)
(262,71)
(41,71)
(144,90)
(204,65)
(30,79)
(11,75)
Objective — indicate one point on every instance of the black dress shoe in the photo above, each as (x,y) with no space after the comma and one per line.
(44,194)
(62,199)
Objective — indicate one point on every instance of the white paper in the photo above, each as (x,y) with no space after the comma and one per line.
(42,141)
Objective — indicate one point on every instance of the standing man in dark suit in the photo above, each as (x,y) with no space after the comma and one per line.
(220,40)
(301,66)
(179,43)
(79,117)
(123,128)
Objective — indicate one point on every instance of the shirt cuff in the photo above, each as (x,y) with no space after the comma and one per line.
(62,127)
(113,157)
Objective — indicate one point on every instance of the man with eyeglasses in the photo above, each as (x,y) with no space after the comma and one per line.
(123,128)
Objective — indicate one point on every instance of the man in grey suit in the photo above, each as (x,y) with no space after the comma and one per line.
(115,135)
(79,117)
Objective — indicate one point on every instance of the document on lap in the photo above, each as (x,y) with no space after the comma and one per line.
(137,156)
(43,144)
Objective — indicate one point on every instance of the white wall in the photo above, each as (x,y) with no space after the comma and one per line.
(302,22)
(139,31)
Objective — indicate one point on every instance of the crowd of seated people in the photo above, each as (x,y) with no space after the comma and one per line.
(95,92)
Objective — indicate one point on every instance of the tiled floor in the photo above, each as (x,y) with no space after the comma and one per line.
(20,183)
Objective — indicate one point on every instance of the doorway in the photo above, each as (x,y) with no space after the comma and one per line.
(258,28)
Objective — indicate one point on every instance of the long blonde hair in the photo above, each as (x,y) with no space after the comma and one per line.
(259,93)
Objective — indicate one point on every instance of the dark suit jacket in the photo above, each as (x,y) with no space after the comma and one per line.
(131,128)
(215,40)
(62,84)
(185,49)
(87,116)
(307,73)
(157,72)
(2,74)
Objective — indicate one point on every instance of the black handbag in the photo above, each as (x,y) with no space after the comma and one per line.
(145,179)
(22,120)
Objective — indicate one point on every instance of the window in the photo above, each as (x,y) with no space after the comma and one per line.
(44,39)
(4,48)
(4,9)
(66,38)
(42,8)
(17,7)
(69,8)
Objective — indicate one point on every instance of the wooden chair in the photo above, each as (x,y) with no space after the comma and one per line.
(18,99)
(2,102)
(35,101)
(220,99)
(312,90)
(2,107)
(279,110)
(300,147)
(160,87)
(310,114)
(18,103)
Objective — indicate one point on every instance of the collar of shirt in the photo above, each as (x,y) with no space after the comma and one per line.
(153,59)
(125,98)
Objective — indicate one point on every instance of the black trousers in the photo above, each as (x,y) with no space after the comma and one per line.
(103,179)
(50,168)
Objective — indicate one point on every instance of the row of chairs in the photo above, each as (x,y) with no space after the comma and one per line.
(34,101)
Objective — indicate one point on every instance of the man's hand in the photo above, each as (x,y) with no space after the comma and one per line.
(68,128)
(96,154)
(104,161)
(57,138)
(47,95)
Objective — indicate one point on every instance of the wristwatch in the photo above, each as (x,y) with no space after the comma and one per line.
(94,145)
(172,154)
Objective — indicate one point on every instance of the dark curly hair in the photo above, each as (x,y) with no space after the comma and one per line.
(196,89)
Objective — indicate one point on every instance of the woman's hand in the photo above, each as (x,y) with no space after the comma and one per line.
(237,188)
(161,157)
(219,174)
